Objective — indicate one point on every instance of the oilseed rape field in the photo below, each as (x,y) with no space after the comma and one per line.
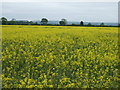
(59,57)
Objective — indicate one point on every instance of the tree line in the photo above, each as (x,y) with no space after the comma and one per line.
(43,21)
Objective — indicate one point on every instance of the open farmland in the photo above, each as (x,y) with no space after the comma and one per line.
(59,57)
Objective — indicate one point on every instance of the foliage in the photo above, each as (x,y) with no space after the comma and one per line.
(102,24)
(44,21)
(4,21)
(60,57)
(89,24)
(81,23)
(13,21)
(63,22)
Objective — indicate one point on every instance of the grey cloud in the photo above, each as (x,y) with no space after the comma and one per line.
(95,12)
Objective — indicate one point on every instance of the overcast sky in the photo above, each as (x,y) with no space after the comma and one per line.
(72,11)
(60,0)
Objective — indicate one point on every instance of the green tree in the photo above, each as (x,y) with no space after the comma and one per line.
(13,21)
(63,22)
(30,22)
(81,23)
(4,20)
(44,21)
(102,24)
(89,24)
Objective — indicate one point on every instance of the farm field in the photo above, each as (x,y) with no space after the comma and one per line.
(59,57)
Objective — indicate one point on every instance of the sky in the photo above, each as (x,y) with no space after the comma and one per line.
(72,11)
(59,0)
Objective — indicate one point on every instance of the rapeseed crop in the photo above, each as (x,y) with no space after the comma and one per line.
(59,57)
